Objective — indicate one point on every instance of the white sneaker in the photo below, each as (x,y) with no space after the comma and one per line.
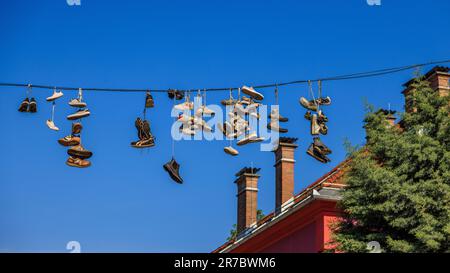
(185,119)
(51,125)
(252,92)
(247,139)
(187,105)
(77,103)
(55,96)
(79,114)
(230,150)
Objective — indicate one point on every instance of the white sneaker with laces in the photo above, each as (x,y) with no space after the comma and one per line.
(55,96)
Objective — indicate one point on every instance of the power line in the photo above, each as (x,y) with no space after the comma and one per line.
(367,74)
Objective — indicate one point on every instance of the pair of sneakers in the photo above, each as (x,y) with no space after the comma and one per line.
(319,151)
(81,105)
(28,105)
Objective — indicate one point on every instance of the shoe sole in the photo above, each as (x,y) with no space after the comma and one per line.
(78,116)
(76,165)
(68,143)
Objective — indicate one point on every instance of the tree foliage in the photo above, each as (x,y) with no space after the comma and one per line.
(398,184)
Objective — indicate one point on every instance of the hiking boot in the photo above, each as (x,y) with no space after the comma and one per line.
(24,105)
(77,103)
(275,115)
(33,106)
(185,106)
(320,147)
(275,126)
(315,127)
(79,151)
(55,95)
(78,162)
(252,92)
(79,114)
(51,125)
(173,168)
(310,105)
(149,102)
(231,151)
(69,140)
(317,155)
(76,128)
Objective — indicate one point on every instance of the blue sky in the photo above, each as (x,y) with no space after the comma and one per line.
(126,202)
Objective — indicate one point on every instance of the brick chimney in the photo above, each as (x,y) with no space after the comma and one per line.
(389,116)
(284,172)
(247,195)
(438,77)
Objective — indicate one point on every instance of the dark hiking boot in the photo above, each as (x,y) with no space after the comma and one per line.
(172,93)
(33,106)
(321,118)
(324,101)
(173,168)
(323,129)
(320,147)
(318,156)
(24,105)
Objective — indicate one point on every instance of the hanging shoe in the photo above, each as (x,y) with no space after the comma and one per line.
(323,128)
(317,155)
(247,139)
(308,115)
(77,103)
(310,105)
(173,168)
(315,127)
(55,96)
(185,106)
(324,101)
(172,93)
(320,147)
(79,114)
(149,102)
(145,143)
(79,151)
(51,125)
(252,92)
(321,118)
(231,151)
(78,162)
(275,126)
(69,140)
(275,115)
(228,102)
(203,110)
(24,105)
(33,106)
(76,128)
(245,100)
(185,119)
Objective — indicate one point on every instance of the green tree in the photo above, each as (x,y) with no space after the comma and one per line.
(398,184)
(233,231)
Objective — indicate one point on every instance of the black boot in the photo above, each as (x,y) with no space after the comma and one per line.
(24,105)
(317,155)
(33,106)
(173,168)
